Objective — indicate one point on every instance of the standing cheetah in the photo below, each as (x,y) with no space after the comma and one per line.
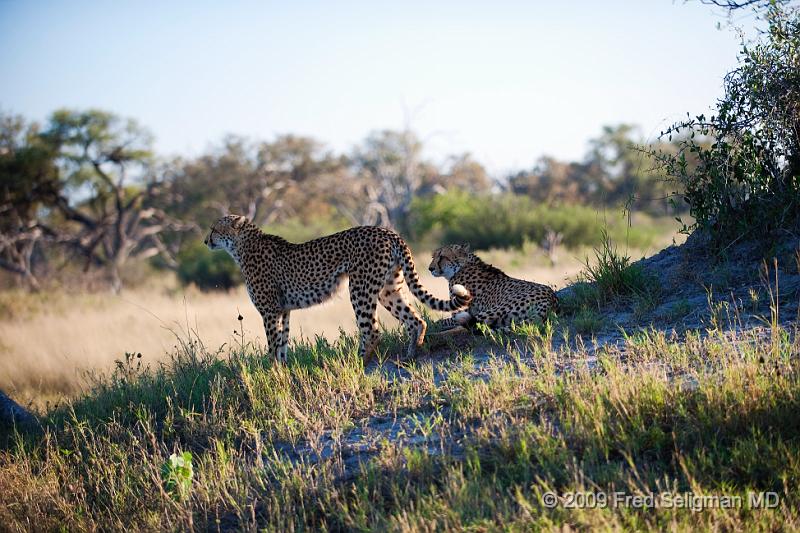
(497,299)
(281,276)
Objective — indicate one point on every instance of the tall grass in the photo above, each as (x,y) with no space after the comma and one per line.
(321,444)
(610,278)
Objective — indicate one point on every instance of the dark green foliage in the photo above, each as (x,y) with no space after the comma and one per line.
(28,174)
(580,295)
(746,180)
(28,185)
(206,269)
(586,321)
(512,220)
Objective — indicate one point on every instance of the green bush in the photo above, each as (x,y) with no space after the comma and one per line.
(746,181)
(206,269)
(502,221)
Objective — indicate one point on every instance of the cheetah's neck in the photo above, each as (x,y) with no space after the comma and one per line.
(255,243)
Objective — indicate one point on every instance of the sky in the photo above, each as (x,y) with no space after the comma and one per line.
(507,82)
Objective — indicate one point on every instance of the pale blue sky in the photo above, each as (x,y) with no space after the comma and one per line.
(507,81)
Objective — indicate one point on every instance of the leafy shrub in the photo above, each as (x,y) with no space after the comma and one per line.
(206,269)
(510,220)
(747,179)
(176,475)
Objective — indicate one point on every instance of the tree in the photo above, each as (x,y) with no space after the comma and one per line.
(468,175)
(552,181)
(390,168)
(463,173)
(617,170)
(733,5)
(746,181)
(28,184)
(629,174)
(265,181)
(107,210)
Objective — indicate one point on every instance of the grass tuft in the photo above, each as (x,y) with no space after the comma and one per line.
(610,279)
(613,274)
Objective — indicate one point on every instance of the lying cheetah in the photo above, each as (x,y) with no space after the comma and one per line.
(281,276)
(498,299)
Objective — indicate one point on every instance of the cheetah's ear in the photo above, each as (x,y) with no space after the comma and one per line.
(465,247)
(238,222)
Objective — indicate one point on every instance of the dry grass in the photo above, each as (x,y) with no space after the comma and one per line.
(48,343)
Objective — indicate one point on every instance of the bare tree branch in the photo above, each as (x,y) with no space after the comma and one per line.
(732,5)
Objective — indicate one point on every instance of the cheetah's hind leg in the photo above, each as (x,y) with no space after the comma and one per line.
(364,299)
(391,297)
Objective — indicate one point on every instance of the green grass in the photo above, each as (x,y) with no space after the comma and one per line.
(613,275)
(586,321)
(478,447)
(610,279)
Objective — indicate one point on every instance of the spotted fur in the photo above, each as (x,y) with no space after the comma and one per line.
(281,276)
(498,299)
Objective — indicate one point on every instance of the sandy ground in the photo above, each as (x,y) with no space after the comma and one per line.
(49,352)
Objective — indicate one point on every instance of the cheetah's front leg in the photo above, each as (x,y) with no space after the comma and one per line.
(273,328)
(283,343)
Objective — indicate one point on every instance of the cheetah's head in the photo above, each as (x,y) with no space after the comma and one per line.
(224,232)
(449,259)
